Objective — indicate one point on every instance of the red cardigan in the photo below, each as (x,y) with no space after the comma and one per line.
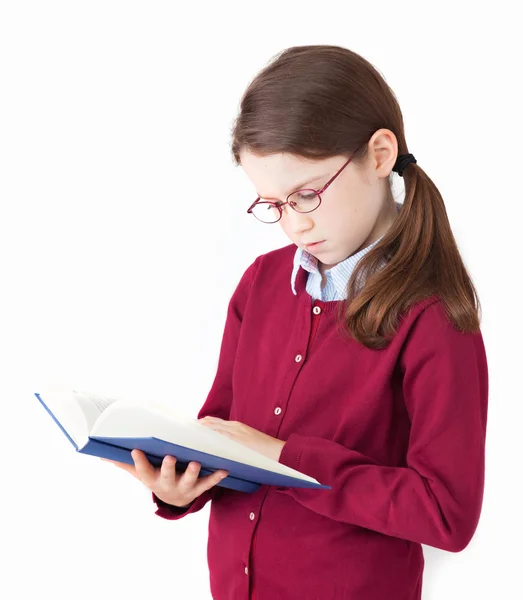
(399,434)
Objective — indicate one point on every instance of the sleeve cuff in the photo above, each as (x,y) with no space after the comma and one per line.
(171,512)
(291,454)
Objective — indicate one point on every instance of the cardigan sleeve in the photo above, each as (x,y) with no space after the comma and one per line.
(219,399)
(436,498)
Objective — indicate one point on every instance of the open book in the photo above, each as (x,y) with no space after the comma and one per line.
(112,427)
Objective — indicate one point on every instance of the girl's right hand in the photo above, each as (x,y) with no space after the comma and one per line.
(178,489)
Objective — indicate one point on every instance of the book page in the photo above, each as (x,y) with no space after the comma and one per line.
(65,408)
(92,405)
(75,410)
(129,419)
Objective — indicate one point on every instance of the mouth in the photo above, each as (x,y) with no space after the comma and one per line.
(313,245)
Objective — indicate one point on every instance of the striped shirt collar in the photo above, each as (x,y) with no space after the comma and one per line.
(337,277)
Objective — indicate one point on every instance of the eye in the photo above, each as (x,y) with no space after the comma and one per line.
(307,196)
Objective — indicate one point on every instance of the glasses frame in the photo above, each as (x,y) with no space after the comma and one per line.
(318,192)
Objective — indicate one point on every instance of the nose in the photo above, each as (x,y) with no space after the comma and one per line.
(298,222)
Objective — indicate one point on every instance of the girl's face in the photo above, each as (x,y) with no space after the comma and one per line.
(356,209)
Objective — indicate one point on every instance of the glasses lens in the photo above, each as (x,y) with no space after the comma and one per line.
(266,212)
(304,201)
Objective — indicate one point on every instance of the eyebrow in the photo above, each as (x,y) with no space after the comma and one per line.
(297,187)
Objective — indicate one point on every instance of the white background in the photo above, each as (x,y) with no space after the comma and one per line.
(123,233)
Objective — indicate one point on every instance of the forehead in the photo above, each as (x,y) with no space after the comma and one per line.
(275,175)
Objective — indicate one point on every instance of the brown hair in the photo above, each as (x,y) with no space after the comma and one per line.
(321,101)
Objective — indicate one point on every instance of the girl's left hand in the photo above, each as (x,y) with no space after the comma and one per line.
(248,436)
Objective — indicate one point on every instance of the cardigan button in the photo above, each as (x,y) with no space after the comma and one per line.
(298,357)
(277,410)
(316,310)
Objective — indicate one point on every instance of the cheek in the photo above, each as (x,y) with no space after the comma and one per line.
(340,221)
(332,217)
(285,227)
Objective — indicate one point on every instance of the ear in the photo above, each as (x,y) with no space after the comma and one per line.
(382,152)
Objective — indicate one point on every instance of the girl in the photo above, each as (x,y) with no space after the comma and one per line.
(354,354)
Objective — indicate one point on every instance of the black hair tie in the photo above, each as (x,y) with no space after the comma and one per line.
(402,162)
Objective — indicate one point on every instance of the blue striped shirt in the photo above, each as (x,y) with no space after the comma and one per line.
(337,277)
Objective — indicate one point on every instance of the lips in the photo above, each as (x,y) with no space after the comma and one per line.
(313,245)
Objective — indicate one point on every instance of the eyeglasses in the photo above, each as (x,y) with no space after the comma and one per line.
(302,201)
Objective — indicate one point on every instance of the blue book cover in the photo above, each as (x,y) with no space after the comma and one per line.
(241,477)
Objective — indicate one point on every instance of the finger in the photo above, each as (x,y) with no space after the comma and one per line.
(209,481)
(218,427)
(168,471)
(190,475)
(145,471)
(226,433)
